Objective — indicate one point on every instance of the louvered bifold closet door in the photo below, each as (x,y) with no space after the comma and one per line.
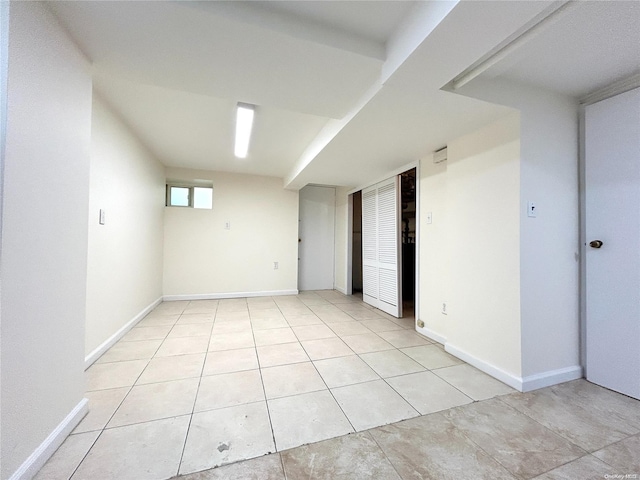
(370,246)
(380,240)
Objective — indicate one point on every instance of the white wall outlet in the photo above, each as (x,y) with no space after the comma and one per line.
(532,210)
(444,308)
(227,225)
(275,265)
(101,218)
(429,218)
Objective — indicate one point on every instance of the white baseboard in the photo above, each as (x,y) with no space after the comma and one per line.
(552,377)
(432,335)
(110,342)
(526,384)
(497,373)
(46,449)
(219,296)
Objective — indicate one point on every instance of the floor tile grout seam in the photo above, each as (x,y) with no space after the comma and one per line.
(383,452)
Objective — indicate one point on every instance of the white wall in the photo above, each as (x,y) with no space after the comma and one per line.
(549,242)
(44,240)
(201,257)
(469,254)
(125,254)
(341,238)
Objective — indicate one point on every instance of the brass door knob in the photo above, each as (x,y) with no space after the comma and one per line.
(595,243)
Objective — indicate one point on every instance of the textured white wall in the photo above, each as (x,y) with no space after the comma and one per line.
(124,254)
(202,257)
(341,238)
(44,242)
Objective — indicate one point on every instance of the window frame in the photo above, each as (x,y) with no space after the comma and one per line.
(191,195)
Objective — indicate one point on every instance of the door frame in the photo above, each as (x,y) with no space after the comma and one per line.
(393,173)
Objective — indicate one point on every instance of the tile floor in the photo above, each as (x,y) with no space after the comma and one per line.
(206,383)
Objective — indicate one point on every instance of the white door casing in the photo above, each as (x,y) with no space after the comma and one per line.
(381,275)
(316,226)
(612,216)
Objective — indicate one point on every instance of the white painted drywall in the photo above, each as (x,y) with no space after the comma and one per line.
(469,254)
(125,254)
(44,242)
(550,242)
(341,238)
(201,257)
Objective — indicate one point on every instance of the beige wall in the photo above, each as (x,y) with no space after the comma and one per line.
(44,238)
(341,238)
(469,254)
(201,257)
(124,254)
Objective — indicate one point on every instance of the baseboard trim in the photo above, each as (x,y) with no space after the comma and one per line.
(110,342)
(46,449)
(522,384)
(497,373)
(427,332)
(219,296)
(552,377)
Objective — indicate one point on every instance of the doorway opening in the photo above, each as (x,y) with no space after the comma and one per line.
(356,245)
(408,235)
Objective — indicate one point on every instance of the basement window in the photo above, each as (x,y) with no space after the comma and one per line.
(190,196)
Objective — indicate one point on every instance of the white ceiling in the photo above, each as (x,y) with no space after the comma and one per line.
(345,91)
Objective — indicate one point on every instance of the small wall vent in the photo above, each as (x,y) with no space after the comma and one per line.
(440,156)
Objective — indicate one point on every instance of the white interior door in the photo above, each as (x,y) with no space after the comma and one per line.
(316,234)
(612,212)
(381,275)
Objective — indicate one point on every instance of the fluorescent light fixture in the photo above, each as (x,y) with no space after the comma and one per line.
(244,124)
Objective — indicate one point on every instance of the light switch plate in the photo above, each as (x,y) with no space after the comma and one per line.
(101,217)
(532,210)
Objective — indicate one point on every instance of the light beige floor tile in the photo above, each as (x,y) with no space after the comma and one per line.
(310,301)
(268,323)
(267,467)
(338,372)
(303,320)
(408,323)
(428,393)
(201,306)
(102,406)
(241,326)
(145,451)
(340,317)
(359,312)
(623,456)
(113,375)
(391,363)
(520,444)
(372,404)
(191,330)
(183,346)
(230,341)
(369,342)
(590,416)
(274,336)
(156,320)
(431,356)
(139,350)
(472,382)
(380,325)
(156,401)
(229,361)
(68,456)
(301,309)
(343,329)
(313,332)
(283,354)
(146,333)
(189,318)
(404,338)
(273,312)
(222,317)
(306,418)
(229,389)
(293,379)
(430,447)
(171,308)
(326,348)
(353,457)
(176,367)
(585,468)
(217,437)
